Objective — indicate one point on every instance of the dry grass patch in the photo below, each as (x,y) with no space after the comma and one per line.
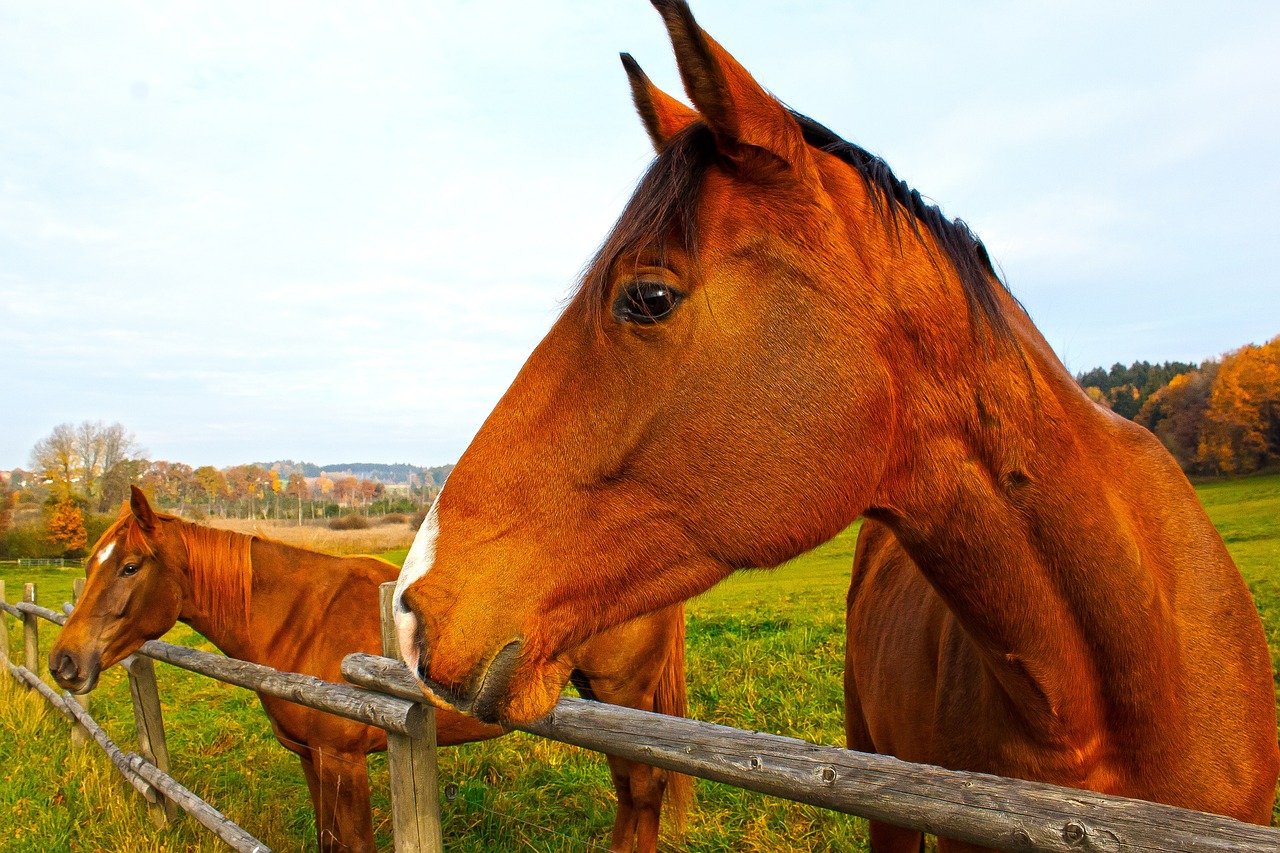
(376,539)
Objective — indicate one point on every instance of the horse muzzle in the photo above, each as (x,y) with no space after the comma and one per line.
(486,689)
(73,672)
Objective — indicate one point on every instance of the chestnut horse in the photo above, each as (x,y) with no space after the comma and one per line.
(300,611)
(778,337)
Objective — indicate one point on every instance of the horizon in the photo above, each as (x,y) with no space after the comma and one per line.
(301,231)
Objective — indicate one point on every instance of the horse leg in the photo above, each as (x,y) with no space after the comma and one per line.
(624,823)
(885,838)
(645,787)
(639,664)
(344,817)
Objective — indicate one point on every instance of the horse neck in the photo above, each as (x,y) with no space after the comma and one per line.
(222,617)
(1003,489)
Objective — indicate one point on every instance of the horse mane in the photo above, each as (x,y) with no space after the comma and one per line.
(221,570)
(218,561)
(664,206)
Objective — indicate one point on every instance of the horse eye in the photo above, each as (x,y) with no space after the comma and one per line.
(645,302)
(129,569)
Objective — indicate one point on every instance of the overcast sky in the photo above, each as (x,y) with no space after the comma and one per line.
(333,232)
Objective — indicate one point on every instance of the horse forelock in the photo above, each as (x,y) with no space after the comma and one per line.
(124,531)
(664,207)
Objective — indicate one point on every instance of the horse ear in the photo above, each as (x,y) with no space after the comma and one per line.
(141,509)
(663,115)
(744,117)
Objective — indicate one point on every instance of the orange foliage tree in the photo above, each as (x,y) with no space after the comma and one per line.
(1176,414)
(1242,423)
(7,496)
(66,526)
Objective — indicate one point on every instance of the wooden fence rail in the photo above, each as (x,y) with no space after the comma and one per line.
(1006,814)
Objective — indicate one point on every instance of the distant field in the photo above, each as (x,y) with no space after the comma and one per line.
(765,652)
(377,538)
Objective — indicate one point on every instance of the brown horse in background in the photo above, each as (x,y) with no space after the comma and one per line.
(301,611)
(778,337)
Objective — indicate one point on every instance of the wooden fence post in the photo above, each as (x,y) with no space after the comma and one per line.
(150,724)
(4,632)
(415,787)
(79,734)
(30,631)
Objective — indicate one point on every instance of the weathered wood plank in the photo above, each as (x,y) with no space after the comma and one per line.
(382,674)
(30,679)
(4,629)
(79,735)
(117,756)
(149,722)
(212,819)
(375,709)
(30,629)
(1007,814)
(415,786)
(27,608)
(11,609)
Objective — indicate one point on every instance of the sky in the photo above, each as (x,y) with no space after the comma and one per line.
(333,232)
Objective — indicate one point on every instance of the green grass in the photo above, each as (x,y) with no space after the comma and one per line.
(765,652)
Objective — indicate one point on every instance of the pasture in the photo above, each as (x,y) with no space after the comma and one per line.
(764,652)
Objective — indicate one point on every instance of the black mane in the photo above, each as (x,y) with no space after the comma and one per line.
(664,207)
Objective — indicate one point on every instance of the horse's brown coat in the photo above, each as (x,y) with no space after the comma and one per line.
(301,611)
(1037,591)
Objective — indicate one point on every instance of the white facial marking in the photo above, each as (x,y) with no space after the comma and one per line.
(421,556)
(106,552)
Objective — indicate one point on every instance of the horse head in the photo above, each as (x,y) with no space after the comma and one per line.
(720,393)
(135,588)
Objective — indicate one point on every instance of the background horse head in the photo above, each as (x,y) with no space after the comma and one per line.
(777,337)
(141,580)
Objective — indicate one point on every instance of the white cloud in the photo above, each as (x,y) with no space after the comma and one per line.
(318,231)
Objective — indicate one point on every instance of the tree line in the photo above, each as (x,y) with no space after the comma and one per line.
(1221,417)
(80,474)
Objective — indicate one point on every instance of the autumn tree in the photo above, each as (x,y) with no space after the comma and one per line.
(76,459)
(55,459)
(1176,414)
(117,480)
(1242,423)
(345,490)
(299,488)
(118,453)
(368,492)
(65,526)
(6,502)
(211,484)
(276,486)
(246,483)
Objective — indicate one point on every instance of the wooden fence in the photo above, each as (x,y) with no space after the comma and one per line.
(1006,814)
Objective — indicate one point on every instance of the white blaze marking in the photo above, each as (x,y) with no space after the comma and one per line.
(106,552)
(422,555)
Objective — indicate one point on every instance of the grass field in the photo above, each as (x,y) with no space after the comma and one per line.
(765,652)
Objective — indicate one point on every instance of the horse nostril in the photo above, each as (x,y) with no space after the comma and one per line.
(62,666)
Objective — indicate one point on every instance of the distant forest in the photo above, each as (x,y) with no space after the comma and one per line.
(392,475)
(1219,417)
